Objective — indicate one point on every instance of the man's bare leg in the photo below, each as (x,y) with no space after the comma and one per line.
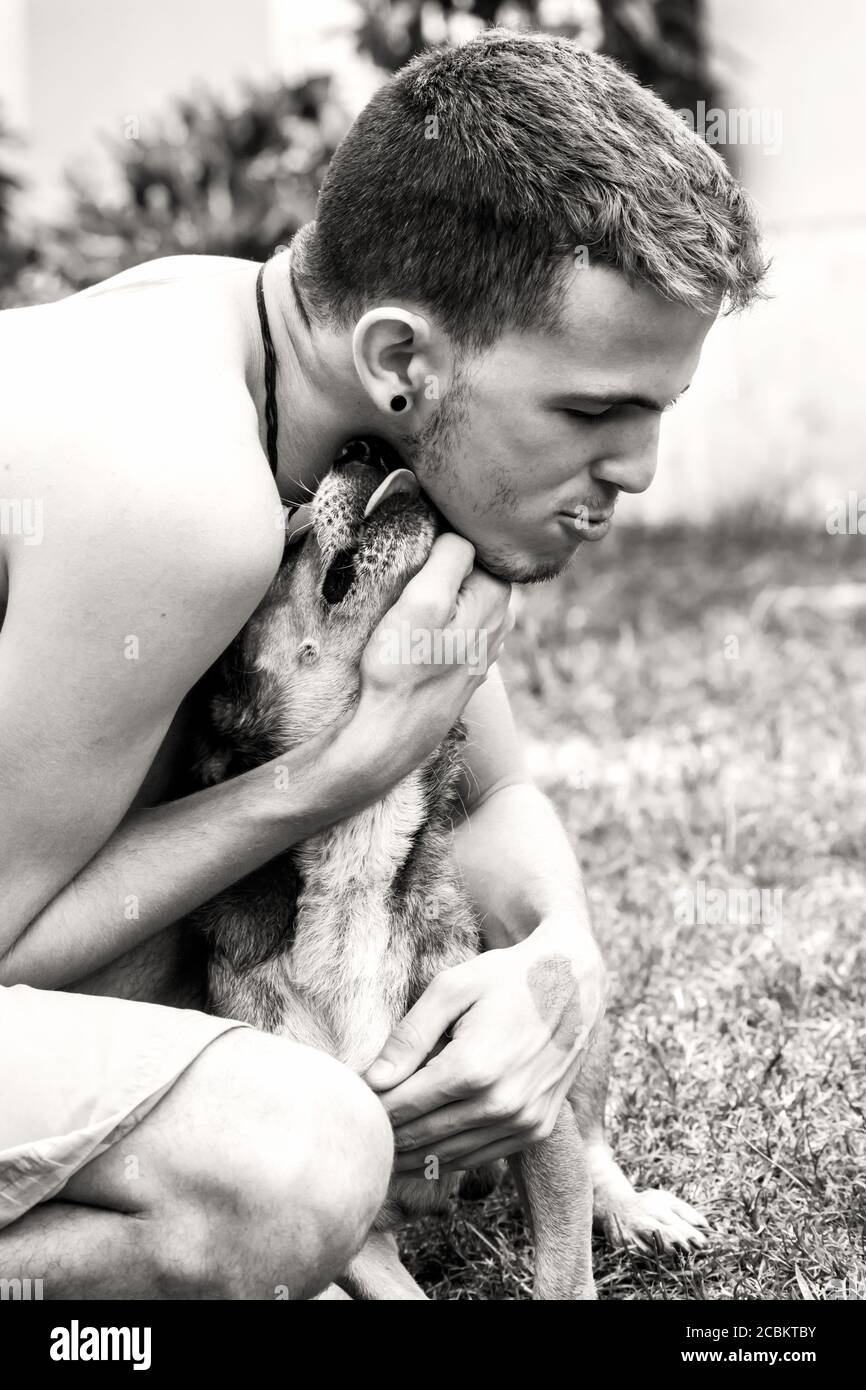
(257,1175)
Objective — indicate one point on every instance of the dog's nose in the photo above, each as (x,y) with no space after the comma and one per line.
(359,460)
(356,451)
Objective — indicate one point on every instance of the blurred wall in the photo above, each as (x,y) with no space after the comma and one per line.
(777,414)
(71,70)
(14,85)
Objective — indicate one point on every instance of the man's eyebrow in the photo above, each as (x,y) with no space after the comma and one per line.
(607,400)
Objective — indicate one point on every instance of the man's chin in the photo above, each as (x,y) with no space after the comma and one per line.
(523,569)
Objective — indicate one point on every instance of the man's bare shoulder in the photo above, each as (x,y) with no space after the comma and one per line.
(105,350)
(130,420)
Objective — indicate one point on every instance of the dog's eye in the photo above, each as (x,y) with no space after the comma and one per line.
(338,580)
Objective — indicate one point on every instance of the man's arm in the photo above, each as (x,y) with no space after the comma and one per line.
(515,857)
(111,620)
(163,862)
(518,1016)
(81,879)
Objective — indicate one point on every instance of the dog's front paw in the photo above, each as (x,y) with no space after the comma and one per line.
(655,1221)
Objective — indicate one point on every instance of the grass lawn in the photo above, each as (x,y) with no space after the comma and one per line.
(700,730)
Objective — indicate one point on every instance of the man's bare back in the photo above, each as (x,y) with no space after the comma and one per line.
(158,355)
(124,408)
(128,425)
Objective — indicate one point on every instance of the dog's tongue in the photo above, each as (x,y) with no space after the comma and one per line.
(398,480)
(298,523)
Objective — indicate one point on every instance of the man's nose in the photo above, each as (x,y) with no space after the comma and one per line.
(630,471)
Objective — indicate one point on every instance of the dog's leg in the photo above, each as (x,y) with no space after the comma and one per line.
(377,1274)
(554,1181)
(650,1220)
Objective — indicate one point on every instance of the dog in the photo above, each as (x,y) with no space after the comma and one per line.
(333,941)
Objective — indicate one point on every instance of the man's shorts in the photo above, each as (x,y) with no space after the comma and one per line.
(77,1072)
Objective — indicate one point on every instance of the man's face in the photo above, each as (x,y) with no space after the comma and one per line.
(539,435)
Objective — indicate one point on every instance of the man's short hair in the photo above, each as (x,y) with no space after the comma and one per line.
(475,169)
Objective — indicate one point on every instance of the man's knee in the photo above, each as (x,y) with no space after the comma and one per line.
(294,1173)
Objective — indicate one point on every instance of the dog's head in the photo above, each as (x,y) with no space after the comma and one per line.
(369,536)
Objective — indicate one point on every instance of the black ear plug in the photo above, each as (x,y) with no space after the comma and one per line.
(399,403)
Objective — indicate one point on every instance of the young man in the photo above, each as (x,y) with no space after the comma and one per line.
(517,254)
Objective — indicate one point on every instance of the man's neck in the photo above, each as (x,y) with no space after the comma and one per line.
(320,404)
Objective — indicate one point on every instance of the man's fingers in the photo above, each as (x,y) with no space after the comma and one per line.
(448,1077)
(441,1125)
(450,1150)
(483,610)
(415,1037)
(477,1155)
(439,581)
(452,585)
(489,1154)
(483,600)
(405,1050)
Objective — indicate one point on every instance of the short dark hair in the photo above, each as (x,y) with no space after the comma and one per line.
(475,169)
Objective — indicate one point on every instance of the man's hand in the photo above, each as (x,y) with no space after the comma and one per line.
(406,708)
(514,1023)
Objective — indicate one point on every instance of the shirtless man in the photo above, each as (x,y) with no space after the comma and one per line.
(517,255)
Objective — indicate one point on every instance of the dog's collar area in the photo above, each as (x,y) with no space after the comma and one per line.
(271,414)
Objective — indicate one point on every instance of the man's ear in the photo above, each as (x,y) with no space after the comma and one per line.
(404,362)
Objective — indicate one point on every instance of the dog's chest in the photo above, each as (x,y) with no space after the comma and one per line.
(380,914)
(355,951)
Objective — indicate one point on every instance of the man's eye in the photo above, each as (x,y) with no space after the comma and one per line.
(589,415)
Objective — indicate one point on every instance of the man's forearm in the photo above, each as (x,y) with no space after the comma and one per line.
(163,862)
(518,865)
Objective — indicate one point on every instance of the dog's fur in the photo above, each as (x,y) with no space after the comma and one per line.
(332,942)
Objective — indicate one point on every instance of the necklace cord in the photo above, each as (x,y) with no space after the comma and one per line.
(271,416)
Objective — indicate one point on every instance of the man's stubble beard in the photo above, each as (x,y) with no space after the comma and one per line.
(434,453)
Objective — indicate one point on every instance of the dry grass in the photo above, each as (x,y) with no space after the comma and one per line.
(738,1067)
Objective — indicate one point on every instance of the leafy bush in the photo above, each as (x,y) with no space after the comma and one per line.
(228,179)
(238,178)
(660,41)
(15,254)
